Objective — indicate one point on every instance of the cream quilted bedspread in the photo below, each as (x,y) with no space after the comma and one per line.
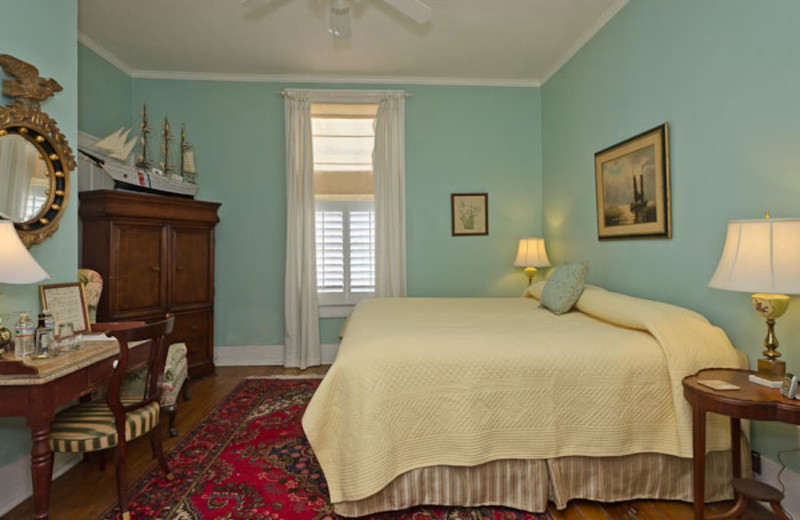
(434,381)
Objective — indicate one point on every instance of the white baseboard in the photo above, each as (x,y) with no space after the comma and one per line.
(17,481)
(791,481)
(263,355)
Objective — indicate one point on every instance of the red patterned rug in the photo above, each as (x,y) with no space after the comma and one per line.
(249,460)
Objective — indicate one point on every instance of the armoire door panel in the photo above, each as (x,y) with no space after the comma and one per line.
(192,280)
(139,274)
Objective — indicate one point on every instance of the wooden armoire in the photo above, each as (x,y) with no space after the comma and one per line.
(156,255)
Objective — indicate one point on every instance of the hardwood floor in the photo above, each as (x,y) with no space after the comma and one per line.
(85,492)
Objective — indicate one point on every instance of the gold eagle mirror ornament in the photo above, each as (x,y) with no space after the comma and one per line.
(35,158)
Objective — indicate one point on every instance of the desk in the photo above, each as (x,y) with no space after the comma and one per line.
(59,381)
(751,401)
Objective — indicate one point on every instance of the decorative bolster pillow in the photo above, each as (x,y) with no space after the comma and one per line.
(564,287)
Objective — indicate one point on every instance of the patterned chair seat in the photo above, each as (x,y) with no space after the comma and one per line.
(89,427)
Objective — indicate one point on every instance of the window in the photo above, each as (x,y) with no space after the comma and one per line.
(344,192)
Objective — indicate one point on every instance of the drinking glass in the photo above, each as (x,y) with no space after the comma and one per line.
(66,337)
(45,344)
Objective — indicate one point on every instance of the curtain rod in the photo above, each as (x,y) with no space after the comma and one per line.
(321,94)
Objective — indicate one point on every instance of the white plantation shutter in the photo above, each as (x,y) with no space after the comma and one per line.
(330,251)
(362,251)
(345,235)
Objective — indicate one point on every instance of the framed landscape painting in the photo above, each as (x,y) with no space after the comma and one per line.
(469,214)
(632,184)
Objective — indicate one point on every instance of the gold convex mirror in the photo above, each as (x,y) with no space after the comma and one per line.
(35,158)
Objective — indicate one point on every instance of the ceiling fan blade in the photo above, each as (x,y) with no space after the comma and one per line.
(417,10)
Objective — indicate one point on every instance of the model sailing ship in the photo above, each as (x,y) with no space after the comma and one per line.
(141,175)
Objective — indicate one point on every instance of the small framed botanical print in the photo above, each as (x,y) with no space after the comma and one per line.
(470,214)
(632,184)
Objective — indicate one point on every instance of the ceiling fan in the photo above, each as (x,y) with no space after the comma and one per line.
(339,25)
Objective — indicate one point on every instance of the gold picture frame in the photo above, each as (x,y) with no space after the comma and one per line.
(67,302)
(469,214)
(632,183)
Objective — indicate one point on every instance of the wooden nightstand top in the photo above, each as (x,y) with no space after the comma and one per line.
(751,401)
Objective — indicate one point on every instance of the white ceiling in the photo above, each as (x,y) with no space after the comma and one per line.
(514,42)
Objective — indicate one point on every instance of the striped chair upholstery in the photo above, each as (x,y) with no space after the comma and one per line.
(176,375)
(90,426)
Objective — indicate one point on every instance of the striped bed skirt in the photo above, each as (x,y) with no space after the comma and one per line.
(529,484)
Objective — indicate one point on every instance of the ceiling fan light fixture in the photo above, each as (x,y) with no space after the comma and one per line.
(339,25)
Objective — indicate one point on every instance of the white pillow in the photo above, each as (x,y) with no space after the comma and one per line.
(534,290)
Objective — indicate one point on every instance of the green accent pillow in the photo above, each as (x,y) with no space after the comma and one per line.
(564,287)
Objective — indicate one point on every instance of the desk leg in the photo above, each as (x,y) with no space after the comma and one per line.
(736,446)
(699,459)
(41,467)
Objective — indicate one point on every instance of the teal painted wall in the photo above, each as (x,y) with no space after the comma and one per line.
(458,139)
(104,95)
(54,23)
(724,74)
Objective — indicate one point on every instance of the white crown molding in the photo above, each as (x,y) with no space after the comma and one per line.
(295,78)
(601,22)
(322,78)
(104,53)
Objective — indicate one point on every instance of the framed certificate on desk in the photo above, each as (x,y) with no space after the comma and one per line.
(67,303)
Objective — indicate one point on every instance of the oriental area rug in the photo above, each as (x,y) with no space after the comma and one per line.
(249,460)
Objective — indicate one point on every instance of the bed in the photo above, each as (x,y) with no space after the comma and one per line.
(477,401)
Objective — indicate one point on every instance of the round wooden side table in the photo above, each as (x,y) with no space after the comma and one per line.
(750,401)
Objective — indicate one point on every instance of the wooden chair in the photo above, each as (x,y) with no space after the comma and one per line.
(94,426)
(176,375)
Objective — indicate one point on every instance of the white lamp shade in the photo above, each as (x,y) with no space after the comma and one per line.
(760,256)
(17,266)
(531,253)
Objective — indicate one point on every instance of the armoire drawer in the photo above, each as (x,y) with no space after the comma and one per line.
(192,325)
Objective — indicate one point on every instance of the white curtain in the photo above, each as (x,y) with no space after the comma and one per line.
(301,308)
(389,165)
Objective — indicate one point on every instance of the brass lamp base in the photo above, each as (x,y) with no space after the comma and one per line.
(771,369)
(5,339)
(771,306)
(530,272)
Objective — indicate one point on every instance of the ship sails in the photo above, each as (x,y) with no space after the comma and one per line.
(117,145)
(188,168)
(188,161)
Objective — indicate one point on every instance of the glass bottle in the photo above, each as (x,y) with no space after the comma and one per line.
(23,336)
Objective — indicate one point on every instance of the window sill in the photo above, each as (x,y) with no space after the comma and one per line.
(335,311)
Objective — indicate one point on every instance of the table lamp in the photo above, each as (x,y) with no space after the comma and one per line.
(763,257)
(17,266)
(530,255)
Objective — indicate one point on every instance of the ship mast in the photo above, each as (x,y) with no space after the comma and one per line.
(184,146)
(144,128)
(165,167)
